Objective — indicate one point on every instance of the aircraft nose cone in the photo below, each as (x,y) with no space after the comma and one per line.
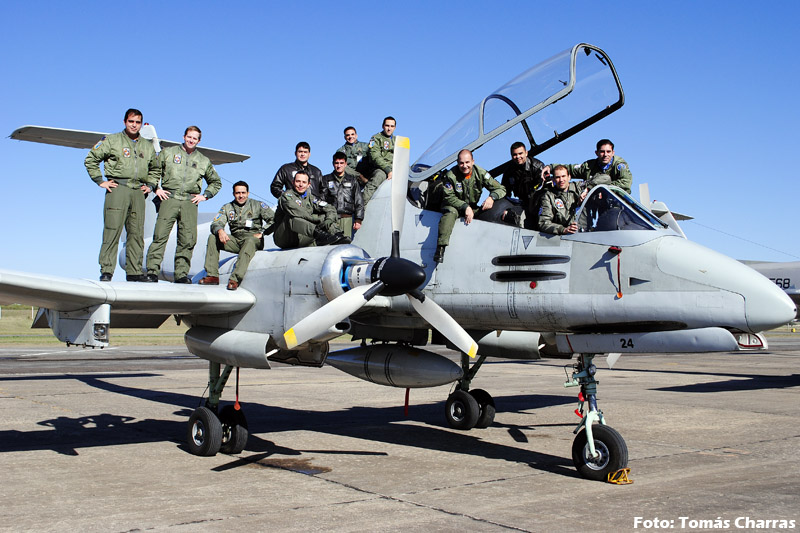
(399,275)
(769,308)
(765,305)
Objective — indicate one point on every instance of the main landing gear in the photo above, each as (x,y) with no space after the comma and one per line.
(212,430)
(597,451)
(466,409)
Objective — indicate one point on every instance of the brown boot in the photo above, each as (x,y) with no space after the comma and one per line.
(233,285)
(209,280)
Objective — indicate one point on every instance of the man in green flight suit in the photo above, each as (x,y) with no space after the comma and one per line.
(607,168)
(183,169)
(357,153)
(131,168)
(304,220)
(462,188)
(558,205)
(249,220)
(381,157)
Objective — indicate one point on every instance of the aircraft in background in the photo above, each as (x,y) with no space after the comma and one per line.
(626,282)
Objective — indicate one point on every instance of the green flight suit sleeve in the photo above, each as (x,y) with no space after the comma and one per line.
(496,191)
(154,169)
(99,153)
(622,175)
(213,181)
(219,221)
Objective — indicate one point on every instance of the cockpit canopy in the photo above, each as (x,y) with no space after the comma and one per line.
(609,208)
(547,103)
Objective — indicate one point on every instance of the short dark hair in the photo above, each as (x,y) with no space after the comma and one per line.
(558,167)
(516,145)
(193,128)
(302,144)
(303,172)
(132,111)
(603,142)
(389,118)
(349,128)
(339,155)
(241,183)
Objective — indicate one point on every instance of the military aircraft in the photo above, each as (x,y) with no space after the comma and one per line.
(624,283)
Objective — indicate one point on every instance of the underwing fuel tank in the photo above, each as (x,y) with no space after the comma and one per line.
(396,365)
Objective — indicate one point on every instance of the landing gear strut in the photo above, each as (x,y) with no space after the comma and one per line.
(211,430)
(598,450)
(467,409)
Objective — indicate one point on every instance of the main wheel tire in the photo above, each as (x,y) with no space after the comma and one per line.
(234,430)
(611,447)
(462,410)
(486,404)
(204,434)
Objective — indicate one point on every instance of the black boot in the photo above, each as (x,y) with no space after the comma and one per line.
(323,238)
(438,257)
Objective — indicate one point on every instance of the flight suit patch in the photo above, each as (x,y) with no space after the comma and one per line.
(385,145)
(459,188)
(559,203)
(177,159)
(299,201)
(126,152)
(621,167)
(99,143)
(231,215)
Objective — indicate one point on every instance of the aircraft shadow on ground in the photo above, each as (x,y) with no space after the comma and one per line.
(743,383)
(66,435)
(733,383)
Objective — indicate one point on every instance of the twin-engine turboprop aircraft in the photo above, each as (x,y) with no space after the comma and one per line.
(625,282)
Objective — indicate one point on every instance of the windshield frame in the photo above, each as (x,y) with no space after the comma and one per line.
(420,171)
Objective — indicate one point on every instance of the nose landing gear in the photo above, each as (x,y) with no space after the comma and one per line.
(599,452)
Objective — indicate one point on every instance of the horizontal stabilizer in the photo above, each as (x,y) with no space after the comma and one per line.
(69,294)
(87,139)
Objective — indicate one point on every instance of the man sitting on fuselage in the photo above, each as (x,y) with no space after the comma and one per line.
(304,220)
(248,220)
(462,188)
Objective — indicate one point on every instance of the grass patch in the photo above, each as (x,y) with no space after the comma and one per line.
(15,329)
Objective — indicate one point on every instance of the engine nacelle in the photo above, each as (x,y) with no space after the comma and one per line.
(396,365)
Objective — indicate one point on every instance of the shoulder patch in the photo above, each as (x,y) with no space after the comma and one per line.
(448,186)
(264,205)
(621,166)
(99,142)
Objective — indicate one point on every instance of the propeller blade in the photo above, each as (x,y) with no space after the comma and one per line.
(400,167)
(442,321)
(329,314)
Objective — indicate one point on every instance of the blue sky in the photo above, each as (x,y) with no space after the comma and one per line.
(710,119)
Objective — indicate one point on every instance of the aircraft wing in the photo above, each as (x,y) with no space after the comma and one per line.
(69,294)
(87,139)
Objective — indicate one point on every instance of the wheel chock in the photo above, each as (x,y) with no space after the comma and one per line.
(620,477)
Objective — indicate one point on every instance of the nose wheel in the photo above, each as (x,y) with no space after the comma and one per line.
(598,450)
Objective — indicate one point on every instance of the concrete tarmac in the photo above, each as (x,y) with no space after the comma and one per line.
(93,440)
